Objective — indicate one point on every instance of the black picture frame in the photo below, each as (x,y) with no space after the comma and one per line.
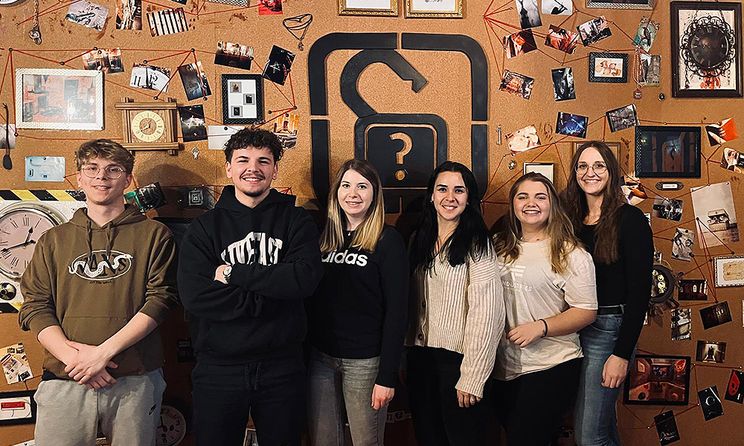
(667,152)
(11,397)
(235,108)
(658,380)
(621,4)
(610,58)
(688,27)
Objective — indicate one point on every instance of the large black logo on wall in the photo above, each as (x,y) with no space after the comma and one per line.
(404,148)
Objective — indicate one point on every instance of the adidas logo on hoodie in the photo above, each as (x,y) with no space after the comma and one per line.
(349,258)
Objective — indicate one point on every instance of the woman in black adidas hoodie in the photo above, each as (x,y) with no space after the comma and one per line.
(357,317)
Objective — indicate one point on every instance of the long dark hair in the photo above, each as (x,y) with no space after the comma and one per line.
(575,204)
(471,235)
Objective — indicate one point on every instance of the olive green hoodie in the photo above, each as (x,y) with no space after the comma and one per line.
(92,280)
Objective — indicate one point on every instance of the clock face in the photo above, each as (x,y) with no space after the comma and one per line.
(172,428)
(148,126)
(709,46)
(20,229)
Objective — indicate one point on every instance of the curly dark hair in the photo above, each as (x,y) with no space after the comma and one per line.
(254,137)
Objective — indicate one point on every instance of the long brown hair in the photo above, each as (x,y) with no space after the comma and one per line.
(575,204)
(559,228)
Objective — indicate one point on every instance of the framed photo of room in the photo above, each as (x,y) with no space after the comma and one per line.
(434,9)
(620,4)
(242,98)
(667,152)
(59,99)
(368,7)
(659,380)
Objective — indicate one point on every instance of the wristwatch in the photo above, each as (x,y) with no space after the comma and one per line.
(226,273)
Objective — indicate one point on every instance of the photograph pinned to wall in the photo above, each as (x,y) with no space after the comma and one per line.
(108,61)
(563,84)
(233,55)
(667,208)
(242,98)
(194,81)
(270,7)
(594,30)
(529,14)
(7,136)
(692,289)
(436,9)
(622,118)
(523,139)
(729,271)
(18,408)
(710,351)
(557,7)
(714,209)
(646,34)
(285,128)
(15,363)
(521,42)
(666,428)
(150,77)
(167,21)
(634,191)
(129,15)
(44,168)
(561,39)
(661,380)
(88,14)
(192,123)
(682,244)
(217,135)
(517,84)
(732,160)
(621,4)
(681,324)
(715,315)
(571,125)
(710,403)
(608,67)
(279,65)
(667,152)
(722,132)
(735,388)
(649,70)
(546,169)
(59,99)
(368,7)
(706,49)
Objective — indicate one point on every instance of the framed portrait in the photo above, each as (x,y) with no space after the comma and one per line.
(368,7)
(620,4)
(546,169)
(608,67)
(59,99)
(706,49)
(729,271)
(660,380)
(242,98)
(667,152)
(438,9)
(17,408)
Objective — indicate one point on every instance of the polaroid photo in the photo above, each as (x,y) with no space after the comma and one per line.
(521,42)
(517,84)
(87,14)
(108,61)
(192,123)
(218,135)
(129,15)
(645,34)
(682,244)
(269,7)
(285,128)
(692,289)
(667,208)
(150,77)
(649,70)
(7,136)
(681,324)
(15,363)
(715,315)
(279,65)
(735,389)
(562,39)
(523,139)
(634,191)
(557,7)
(529,14)
(194,80)
(666,428)
(710,403)
(571,125)
(234,55)
(622,118)
(594,30)
(167,21)
(563,84)
(732,160)
(722,132)
(714,209)
(710,351)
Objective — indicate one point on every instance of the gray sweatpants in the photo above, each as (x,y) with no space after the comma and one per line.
(128,412)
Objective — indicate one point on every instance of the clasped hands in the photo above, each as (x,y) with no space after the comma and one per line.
(88,365)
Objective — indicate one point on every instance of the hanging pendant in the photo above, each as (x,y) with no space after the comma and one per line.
(637,94)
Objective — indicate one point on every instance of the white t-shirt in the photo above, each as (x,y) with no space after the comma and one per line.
(533,291)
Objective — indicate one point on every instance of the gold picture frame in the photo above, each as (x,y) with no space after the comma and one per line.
(381,8)
(419,9)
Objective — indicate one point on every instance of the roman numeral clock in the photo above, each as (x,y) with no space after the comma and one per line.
(149,125)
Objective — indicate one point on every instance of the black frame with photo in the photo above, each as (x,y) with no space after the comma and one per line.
(226,103)
(646,144)
(593,77)
(684,384)
(22,393)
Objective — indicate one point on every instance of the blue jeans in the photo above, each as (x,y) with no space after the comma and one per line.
(339,386)
(595,419)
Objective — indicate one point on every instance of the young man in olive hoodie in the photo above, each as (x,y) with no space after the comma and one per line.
(94,293)
(244,270)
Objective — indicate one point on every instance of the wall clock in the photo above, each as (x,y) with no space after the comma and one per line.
(21,225)
(149,125)
(172,427)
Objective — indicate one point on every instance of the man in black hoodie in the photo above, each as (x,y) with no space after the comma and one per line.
(244,269)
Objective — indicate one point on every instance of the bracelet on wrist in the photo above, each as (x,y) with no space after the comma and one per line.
(545,328)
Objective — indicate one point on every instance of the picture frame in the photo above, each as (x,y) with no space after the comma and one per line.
(667,152)
(658,380)
(441,9)
(608,67)
(543,168)
(712,71)
(381,8)
(620,4)
(242,98)
(26,408)
(728,271)
(59,99)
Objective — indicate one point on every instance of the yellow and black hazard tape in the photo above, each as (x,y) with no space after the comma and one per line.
(41,195)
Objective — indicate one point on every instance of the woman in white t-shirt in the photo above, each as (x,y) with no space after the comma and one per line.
(550,294)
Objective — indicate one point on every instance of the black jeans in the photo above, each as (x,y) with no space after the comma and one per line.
(437,418)
(272,391)
(530,407)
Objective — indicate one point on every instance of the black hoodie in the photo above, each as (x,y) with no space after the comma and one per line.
(274,251)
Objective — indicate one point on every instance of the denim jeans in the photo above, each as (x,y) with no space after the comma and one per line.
(339,386)
(595,419)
